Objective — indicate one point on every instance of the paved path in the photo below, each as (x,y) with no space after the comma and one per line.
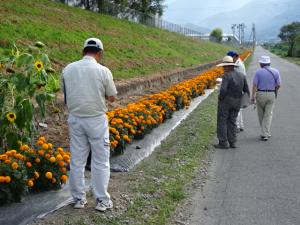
(259,182)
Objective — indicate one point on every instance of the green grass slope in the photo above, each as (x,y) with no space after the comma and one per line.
(130,49)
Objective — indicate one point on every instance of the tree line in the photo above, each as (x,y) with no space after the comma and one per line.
(151,7)
(290,41)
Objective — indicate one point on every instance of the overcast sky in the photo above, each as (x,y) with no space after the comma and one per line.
(194,11)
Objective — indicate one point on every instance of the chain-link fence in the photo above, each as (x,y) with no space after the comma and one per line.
(135,16)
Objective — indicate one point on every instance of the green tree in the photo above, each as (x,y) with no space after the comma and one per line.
(296,49)
(216,35)
(288,33)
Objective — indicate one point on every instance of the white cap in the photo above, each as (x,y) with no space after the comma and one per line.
(264,60)
(93,42)
(227,61)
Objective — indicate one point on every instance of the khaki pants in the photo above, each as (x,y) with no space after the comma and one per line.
(265,105)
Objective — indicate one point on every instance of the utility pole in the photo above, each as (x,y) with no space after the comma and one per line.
(233,28)
(243,33)
(254,36)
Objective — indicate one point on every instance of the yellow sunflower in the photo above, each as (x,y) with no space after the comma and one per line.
(11,117)
(38,65)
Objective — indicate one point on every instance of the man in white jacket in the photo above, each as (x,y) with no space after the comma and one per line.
(87,86)
(239,68)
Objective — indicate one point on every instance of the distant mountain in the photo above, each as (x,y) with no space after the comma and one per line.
(268,16)
(194,27)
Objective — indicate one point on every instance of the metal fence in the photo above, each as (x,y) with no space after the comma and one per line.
(135,16)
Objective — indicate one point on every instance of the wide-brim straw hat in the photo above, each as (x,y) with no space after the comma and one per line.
(227,61)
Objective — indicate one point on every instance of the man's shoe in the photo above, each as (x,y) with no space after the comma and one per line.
(242,129)
(80,203)
(102,206)
(221,146)
(232,145)
(264,138)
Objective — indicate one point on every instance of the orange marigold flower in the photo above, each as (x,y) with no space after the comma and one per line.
(37,160)
(42,138)
(28,164)
(53,181)
(66,157)
(40,142)
(2,179)
(24,147)
(36,174)
(52,159)
(61,163)
(59,157)
(14,165)
(7,161)
(3,157)
(45,146)
(63,170)
(64,178)
(30,183)
(8,179)
(48,175)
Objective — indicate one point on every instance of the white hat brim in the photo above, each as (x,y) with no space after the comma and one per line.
(226,64)
(264,62)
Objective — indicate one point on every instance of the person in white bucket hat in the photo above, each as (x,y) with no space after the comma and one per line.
(233,85)
(87,85)
(266,83)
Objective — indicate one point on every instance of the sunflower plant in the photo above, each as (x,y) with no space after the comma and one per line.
(27,82)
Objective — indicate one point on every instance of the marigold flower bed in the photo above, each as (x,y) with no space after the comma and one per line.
(138,119)
(28,169)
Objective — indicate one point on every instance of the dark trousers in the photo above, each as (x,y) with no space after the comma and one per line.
(226,122)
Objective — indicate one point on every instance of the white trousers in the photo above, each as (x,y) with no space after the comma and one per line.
(89,134)
(239,120)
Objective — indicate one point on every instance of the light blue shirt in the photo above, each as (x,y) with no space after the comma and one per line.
(264,80)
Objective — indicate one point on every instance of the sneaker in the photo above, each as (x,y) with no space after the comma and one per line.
(80,203)
(102,206)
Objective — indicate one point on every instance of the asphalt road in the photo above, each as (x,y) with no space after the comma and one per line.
(259,182)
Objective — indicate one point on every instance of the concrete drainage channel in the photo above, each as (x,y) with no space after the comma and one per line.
(41,204)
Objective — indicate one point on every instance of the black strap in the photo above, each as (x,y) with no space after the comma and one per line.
(65,92)
(276,86)
(272,75)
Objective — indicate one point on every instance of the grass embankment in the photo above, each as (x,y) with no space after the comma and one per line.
(157,185)
(130,49)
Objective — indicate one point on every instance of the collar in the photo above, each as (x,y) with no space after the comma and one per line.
(90,58)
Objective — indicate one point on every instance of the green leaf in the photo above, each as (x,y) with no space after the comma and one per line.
(24,59)
(45,59)
(12,140)
(24,113)
(41,99)
(21,82)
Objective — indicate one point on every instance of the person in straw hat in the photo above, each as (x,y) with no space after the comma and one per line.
(233,86)
(240,68)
